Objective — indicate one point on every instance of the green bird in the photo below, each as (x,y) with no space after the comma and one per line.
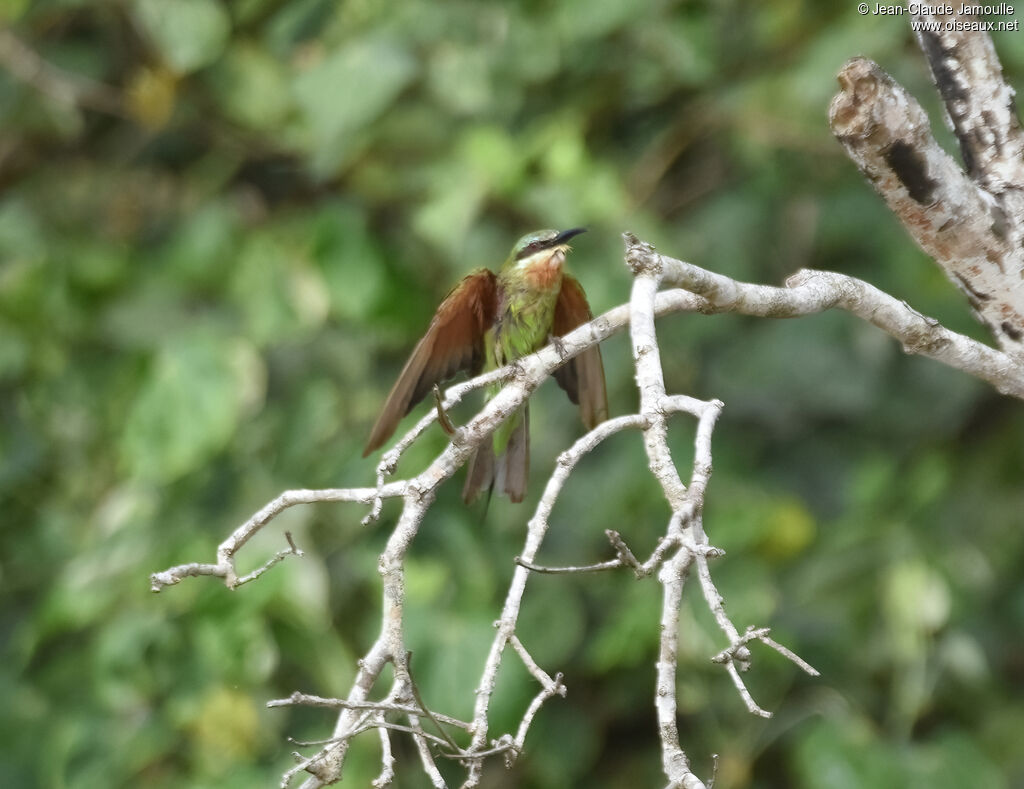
(487,321)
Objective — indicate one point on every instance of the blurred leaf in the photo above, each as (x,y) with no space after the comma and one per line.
(277,290)
(14,353)
(459,78)
(628,632)
(349,88)
(425,581)
(787,529)
(449,654)
(559,722)
(917,598)
(551,625)
(491,154)
(844,754)
(190,405)
(579,19)
(445,218)
(226,728)
(12,9)
(203,249)
(252,86)
(20,234)
(150,96)
(350,262)
(953,760)
(190,34)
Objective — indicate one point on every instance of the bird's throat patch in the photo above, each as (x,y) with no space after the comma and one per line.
(544,271)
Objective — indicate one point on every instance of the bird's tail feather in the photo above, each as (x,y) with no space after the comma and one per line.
(508,473)
(514,466)
(479,473)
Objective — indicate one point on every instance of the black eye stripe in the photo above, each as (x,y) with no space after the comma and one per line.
(532,247)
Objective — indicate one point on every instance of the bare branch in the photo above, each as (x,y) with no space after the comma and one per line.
(665,544)
(648,273)
(971,223)
(624,554)
(387,760)
(225,565)
(280,556)
(421,739)
(979,103)
(554,688)
(808,292)
(683,545)
(612,564)
(423,707)
(536,530)
(417,494)
(788,654)
(531,665)
(308,700)
(414,729)
(741,688)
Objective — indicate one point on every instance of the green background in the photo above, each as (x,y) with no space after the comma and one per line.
(213,266)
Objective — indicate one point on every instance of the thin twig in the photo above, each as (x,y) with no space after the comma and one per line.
(423,707)
(531,665)
(280,556)
(308,700)
(387,761)
(789,655)
(611,564)
(555,688)
(741,688)
(420,737)
(625,555)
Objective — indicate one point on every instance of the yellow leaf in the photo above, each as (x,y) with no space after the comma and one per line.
(226,726)
(150,96)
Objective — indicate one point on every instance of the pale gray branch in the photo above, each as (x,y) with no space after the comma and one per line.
(612,564)
(808,292)
(971,223)
(683,545)
(422,740)
(309,700)
(387,761)
(979,104)
(225,565)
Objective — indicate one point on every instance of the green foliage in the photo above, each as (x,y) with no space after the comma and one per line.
(187,34)
(208,285)
(189,406)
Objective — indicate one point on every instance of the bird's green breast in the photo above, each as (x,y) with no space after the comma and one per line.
(526,314)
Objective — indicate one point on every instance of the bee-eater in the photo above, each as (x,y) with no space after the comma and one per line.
(487,321)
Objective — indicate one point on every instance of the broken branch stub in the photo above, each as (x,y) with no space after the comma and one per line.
(970,232)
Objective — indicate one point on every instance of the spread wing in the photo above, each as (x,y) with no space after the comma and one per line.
(453,342)
(582,378)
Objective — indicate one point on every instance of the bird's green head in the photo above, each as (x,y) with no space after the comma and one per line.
(541,244)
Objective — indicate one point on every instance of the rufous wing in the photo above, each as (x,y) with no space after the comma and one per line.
(454,341)
(582,378)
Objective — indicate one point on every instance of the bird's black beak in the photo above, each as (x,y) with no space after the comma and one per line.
(565,235)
